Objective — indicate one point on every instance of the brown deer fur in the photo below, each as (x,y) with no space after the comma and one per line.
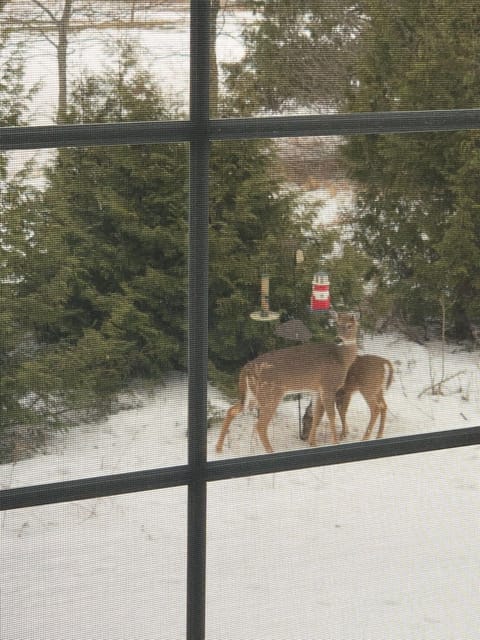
(316,368)
(371,375)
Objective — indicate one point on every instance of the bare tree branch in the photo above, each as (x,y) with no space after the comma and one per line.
(44,8)
(48,38)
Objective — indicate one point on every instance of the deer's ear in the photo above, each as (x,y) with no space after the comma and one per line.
(332,317)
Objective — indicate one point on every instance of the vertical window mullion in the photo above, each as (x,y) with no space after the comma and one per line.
(198,319)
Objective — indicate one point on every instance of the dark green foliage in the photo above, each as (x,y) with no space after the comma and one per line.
(116,220)
(298,53)
(18,389)
(95,288)
(417,213)
(250,222)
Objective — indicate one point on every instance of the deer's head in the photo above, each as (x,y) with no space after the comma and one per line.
(347,326)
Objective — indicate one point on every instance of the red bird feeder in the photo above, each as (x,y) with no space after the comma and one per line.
(320,300)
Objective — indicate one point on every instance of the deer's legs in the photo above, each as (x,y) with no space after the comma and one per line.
(321,411)
(266,412)
(383,415)
(320,405)
(329,402)
(374,411)
(231,413)
(307,419)
(342,401)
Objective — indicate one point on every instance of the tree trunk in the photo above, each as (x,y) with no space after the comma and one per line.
(132,11)
(214,10)
(63,27)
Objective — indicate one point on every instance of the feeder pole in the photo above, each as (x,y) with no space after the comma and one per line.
(298,259)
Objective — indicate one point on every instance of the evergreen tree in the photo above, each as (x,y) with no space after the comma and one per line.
(417,197)
(115,224)
(297,54)
(18,390)
(116,219)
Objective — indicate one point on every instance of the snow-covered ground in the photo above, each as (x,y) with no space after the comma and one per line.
(381,549)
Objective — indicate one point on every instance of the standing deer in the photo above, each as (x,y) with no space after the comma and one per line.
(369,374)
(316,368)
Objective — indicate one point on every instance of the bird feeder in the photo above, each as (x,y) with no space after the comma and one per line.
(320,300)
(294,330)
(264,314)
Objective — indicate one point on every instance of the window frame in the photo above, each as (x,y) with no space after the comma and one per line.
(200,131)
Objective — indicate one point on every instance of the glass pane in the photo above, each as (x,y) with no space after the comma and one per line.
(384,549)
(70,50)
(93,312)
(386,226)
(108,568)
(332,56)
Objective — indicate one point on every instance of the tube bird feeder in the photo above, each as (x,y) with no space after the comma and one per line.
(264,315)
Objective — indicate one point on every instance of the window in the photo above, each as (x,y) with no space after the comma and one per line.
(200,132)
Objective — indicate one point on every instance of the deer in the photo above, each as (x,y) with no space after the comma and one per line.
(369,374)
(317,368)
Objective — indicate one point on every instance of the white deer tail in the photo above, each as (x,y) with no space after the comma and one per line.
(388,375)
(250,398)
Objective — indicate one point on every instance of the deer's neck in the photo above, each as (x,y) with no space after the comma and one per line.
(349,349)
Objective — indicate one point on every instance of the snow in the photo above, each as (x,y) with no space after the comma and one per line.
(380,549)
(164,51)
(329,202)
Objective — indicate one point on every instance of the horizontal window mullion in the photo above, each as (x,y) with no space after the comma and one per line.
(340,454)
(56,136)
(168,477)
(345,124)
(83,135)
(97,487)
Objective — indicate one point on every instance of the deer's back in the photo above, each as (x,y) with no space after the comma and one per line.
(305,366)
(369,372)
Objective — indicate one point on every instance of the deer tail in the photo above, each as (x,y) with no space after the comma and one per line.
(245,391)
(389,380)
(249,397)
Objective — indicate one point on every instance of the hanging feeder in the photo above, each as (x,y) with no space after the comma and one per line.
(320,299)
(294,330)
(264,314)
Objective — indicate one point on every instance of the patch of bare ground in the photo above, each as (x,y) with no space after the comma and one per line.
(314,163)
